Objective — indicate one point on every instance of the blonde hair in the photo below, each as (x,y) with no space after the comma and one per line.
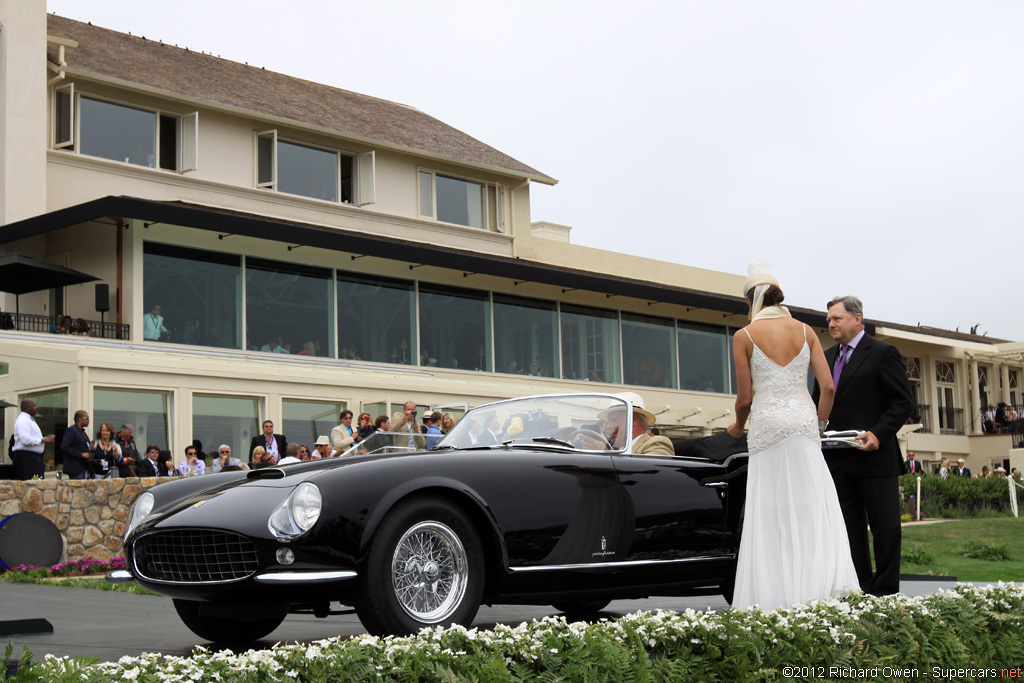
(258,453)
(441,425)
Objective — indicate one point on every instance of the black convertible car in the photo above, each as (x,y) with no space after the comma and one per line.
(525,501)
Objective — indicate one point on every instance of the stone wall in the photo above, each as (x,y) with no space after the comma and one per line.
(91,515)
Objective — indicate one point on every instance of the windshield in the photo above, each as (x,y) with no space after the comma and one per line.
(391,442)
(592,422)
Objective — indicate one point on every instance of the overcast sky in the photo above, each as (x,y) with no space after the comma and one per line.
(868,147)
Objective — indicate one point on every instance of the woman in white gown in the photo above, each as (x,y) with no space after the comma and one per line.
(793,545)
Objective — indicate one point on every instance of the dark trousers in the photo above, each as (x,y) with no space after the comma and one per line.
(873,501)
(27,464)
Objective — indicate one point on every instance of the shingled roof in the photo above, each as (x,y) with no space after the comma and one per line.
(206,78)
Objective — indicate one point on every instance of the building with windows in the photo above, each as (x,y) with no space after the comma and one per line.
(270,248)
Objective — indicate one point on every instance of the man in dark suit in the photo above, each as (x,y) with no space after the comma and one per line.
(149,465)
(76,448)
(872,395)
(960,470)
(275,444)
(912,466)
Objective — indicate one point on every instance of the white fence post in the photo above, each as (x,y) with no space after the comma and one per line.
(1013,495)
(919,497)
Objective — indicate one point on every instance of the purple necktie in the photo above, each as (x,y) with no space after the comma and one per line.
(844,351)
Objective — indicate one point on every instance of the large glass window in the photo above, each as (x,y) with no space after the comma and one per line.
(375,319)
(113,131)
(197,294)
(232,420)
(145,411)
(590,344)
(304,421)
(288,308)
(704,358)
(648,351)
(52,418)
(307,171)
(525,336)
(455,328)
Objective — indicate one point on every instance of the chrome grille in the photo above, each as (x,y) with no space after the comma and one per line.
(194,555)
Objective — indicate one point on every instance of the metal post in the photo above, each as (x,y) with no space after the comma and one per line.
(919,498)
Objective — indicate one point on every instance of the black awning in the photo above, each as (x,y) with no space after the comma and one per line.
(349,241)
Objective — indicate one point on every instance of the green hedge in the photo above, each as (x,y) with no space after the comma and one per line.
(950,635)
(958,497)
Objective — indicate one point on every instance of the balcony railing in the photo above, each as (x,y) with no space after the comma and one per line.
(951,420)
(26,322)
(923,415)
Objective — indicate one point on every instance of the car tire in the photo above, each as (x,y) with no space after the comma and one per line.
(581,608)
(225,630)
(425,567)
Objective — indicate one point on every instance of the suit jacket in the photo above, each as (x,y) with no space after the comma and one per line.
(146,468)
(260,440)
(966,473)
(913,467)
(74,443)
(873,395)
(653,445)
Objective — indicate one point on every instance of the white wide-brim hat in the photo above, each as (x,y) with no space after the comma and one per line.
(638,407)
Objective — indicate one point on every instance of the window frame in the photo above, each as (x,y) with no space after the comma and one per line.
(55,143)
(364,171)
(492,196)
(73,144)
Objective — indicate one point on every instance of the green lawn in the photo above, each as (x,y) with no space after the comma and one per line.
(944,541)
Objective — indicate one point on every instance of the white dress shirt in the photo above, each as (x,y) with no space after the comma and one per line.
(27,436)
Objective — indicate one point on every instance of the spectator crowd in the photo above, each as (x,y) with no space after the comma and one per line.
(107,453)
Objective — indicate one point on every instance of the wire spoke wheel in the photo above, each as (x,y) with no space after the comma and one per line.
(429,572)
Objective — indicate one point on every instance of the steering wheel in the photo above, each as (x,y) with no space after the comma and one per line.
(589,440)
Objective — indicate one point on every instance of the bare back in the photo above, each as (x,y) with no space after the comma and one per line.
(781,339)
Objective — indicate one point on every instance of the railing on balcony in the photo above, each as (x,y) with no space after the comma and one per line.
(27,322)
(923,415)
(951,420)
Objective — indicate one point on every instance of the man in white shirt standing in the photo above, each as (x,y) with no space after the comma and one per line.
(153,325)
(29,442)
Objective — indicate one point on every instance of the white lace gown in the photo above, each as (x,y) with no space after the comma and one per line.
(793,546)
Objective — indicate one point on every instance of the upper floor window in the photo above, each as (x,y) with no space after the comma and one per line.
(133,135)
(944,372)
(463,202)
(312,171)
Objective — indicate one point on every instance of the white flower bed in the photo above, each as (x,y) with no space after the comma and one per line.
(823,632)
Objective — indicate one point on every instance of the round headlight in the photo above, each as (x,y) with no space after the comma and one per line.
(143,506)
(306,504)
(297,513)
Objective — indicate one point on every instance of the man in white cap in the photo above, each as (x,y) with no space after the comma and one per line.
(638,440)
(960,470)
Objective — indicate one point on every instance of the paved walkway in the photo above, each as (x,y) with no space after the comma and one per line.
(108,625)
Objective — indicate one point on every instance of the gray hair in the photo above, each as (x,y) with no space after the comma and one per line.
(852,304)
(124,427)
(222,447)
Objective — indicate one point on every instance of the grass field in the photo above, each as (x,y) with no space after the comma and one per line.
(936,548)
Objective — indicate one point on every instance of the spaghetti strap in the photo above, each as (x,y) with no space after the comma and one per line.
(807,329)
(748,336)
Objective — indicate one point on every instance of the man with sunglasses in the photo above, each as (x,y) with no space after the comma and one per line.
(224,459)
(343,436)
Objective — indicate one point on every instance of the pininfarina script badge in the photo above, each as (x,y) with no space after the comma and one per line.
(604,549)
